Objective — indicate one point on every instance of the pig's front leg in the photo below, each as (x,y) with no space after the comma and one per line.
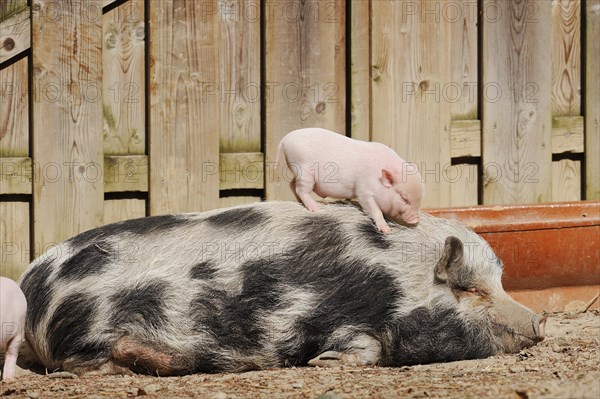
(373,210)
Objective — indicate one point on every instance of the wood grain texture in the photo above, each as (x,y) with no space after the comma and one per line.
(566,180)
(566,57)
(125,173)
(227,202)
(463,180)
(15,175)
(15,248)
(516,124)
(566,92)
(123,209)
(11,7)
(238,86)
(410,67)
(360,70)
(123,87)
(14,110)
(185,123)
(462,91)
(567,134)
(241,170)
(305,63)
(67,120)
(465,138)
(15,33)
(592,100)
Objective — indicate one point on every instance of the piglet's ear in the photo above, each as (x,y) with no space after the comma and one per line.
(386,178)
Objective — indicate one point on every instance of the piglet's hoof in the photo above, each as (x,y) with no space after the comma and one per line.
(384,228)
(335,359)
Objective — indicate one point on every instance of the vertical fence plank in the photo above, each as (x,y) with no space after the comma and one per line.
(463,181)
(516,106)
(67,119)
(566,88)
(123,93)
(566,180)
(410,68)
(184,120)
(14,238)
(14,107)
(462,90)
(123,88)
(305,75)
(566,57)
(360,69)
(592,100)
(238,88)
(14,98)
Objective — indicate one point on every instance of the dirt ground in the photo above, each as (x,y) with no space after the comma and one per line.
(565,365)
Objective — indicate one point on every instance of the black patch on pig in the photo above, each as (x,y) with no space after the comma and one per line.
(239,218)
(435,335)
(234,321)
(89,261)
(69,327)
(38,292)
(143,304)
(140,226)
(373,236)
(347,292)
(203,271)
(351,293)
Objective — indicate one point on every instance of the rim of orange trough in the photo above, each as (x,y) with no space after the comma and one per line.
(540,216)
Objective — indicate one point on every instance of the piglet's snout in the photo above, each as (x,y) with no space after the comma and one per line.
(539,327)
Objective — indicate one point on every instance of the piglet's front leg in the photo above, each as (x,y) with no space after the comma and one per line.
(369,206)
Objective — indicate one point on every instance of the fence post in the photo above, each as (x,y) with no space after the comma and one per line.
(68,184)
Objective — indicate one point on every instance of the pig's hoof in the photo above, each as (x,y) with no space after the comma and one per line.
(335,359)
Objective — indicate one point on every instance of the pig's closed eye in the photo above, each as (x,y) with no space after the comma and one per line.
(469,291)
(405,199)
(475,291)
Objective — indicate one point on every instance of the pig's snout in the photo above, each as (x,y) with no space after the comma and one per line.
(539,327)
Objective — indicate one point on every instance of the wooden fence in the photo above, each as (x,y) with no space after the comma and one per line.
(118,109)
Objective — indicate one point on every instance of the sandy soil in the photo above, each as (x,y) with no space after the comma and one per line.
(565,365)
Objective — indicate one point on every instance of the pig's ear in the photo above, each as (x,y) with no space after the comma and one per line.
(387,179)
(451,260)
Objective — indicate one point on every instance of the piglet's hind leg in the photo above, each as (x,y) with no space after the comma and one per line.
(10,358)
(304,186)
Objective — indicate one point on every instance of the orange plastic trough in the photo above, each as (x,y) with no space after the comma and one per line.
(551,252)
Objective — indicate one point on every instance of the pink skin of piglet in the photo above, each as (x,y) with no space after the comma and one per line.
(13,307)
(333,165)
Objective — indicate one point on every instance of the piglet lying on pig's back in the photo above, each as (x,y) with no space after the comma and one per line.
(333,165)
